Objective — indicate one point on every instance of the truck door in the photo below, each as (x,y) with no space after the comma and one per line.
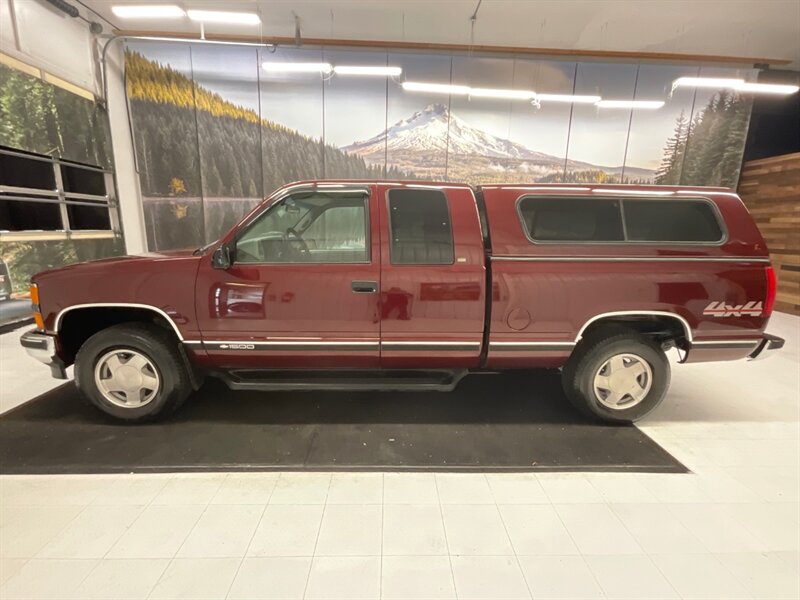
(432,277)
(302,289)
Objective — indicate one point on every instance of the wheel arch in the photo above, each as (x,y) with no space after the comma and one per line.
(122,305)
(637,318)
(75,324)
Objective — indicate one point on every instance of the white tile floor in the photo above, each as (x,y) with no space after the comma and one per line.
(730,529)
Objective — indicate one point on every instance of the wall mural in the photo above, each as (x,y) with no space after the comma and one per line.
(215,131)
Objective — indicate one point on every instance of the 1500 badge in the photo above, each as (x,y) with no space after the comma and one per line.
(720,309)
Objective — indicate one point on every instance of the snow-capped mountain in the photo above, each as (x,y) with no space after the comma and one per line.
(418,143)
(427,130)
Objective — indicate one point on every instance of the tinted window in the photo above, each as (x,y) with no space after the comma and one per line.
(20,171)
(308,228)
(88,217)
(83,181)
(572,219)
(671,221)
(16,215)
(420,227)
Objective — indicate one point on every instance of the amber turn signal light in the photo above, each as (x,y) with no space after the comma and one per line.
(37,311)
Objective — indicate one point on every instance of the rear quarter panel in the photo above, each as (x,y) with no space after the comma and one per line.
(547,292)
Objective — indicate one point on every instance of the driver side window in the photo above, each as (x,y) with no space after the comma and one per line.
(308,227)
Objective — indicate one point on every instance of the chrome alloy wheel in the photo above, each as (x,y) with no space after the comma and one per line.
(127,378)
(623,381)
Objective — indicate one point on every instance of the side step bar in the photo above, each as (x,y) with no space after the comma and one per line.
(342,380)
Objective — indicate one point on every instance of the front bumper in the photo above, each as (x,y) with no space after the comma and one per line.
(768,342)
(42,347)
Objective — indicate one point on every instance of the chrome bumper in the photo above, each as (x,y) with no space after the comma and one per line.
(42,347)
(768,342)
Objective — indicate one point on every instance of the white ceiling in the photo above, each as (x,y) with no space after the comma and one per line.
(750,28)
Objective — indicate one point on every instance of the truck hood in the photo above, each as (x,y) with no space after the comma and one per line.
(115,263)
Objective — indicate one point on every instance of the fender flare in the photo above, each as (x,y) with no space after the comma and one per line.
(623,313)
(150,307)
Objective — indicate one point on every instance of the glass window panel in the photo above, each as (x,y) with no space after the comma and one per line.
(308,228)
(18,215)
(572,219)
(420,228)
(671,221)
(88,217)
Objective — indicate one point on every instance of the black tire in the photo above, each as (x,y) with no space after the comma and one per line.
(591,354)
(158,346)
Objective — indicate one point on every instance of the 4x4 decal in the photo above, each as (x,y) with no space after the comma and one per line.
(720,309)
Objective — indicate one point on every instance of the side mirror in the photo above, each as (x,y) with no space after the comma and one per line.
(221,259)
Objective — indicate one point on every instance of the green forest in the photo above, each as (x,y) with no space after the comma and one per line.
(240,155)
(192,143)
(40,117)
(707,150)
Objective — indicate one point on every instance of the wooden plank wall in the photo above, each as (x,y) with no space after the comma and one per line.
(770,188)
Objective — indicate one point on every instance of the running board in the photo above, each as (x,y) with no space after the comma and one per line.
(340,379)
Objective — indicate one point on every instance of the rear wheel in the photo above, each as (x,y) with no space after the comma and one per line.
(133,372)
(618,376)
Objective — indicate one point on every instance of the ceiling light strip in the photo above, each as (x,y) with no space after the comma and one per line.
(645,104)
(296,67)
(568,98)
(223,16)
(148,11)
(739,85)
(367,70)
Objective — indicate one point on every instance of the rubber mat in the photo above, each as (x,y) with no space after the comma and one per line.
(502,422)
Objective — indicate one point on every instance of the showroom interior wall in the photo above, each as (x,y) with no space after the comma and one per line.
(59,145)
(214,130)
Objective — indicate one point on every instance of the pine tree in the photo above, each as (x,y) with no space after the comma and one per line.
(669,172)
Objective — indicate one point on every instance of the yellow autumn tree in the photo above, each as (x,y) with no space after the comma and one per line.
(177,187)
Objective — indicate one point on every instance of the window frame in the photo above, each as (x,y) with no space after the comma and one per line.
(251,222)
(625,241)
(63,199)
(389,224)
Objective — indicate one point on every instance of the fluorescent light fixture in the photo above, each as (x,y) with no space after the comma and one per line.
(740,85)
(296,67)
(504,94)
(638,192)
(370,71)
(198,41)
(435,88)
(649,104)
(570,99)
(766,88)
(222,16)
(463,90)
(706,82)
(148,11)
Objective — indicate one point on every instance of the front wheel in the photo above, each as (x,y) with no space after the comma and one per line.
(132,372)
(618,377)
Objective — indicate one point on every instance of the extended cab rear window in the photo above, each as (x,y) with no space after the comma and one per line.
(420,229)
(573,220)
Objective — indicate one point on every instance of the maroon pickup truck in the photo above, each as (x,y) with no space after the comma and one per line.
(410,285)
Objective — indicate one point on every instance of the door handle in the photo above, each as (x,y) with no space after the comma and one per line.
(365,287)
